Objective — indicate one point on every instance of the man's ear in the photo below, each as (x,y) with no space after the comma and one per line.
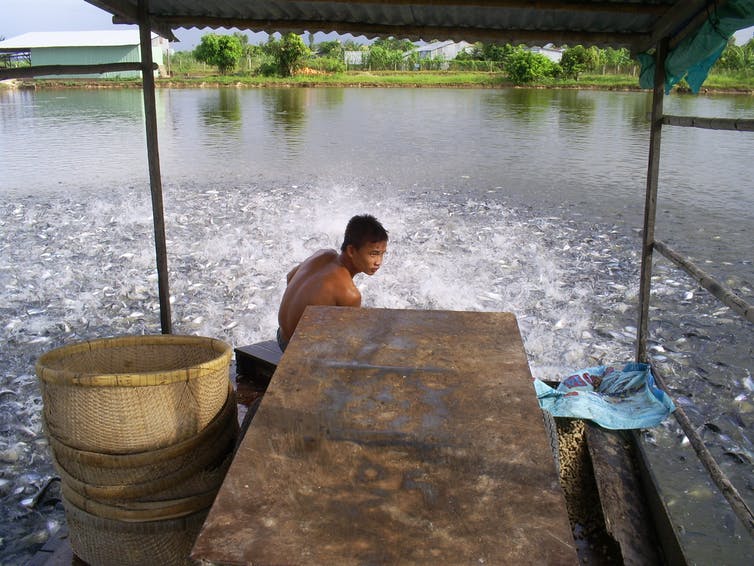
(350,251)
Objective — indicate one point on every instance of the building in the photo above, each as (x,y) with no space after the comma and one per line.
(83,48)
(445,50)
(549,51)
(353,58)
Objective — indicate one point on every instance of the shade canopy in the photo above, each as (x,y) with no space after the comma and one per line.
(635,24)
(698,28)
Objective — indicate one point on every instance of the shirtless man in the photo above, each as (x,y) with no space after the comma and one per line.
(326,277)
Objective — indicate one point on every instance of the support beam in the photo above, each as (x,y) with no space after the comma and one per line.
(153,156)
(721,292)
(650,204)
(729,124)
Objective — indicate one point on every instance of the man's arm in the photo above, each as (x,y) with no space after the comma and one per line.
(349,296)
(291,273)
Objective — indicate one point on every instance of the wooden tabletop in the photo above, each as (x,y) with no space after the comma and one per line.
(394,437)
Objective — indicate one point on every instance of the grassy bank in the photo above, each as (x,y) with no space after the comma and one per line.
(428,79)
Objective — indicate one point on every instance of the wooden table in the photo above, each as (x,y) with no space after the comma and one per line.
(394,437)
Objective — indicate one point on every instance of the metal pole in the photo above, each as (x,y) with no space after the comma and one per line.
(650,205)
(153,155)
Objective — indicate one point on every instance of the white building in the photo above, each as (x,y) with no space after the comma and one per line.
(549,51)
(84,48)
(445,50)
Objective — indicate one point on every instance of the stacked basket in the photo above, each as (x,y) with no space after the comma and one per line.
(142,430)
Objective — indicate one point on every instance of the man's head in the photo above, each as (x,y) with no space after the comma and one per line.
(364,244)
(363,229)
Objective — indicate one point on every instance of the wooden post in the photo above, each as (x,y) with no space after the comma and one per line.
(153,156)
(650,205)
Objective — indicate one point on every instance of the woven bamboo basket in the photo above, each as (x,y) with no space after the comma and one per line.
(100,541)
(208,479)
(134,393)
(182,483)
(141,511)
(148,472)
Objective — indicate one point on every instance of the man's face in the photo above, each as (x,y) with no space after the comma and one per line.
(368,258)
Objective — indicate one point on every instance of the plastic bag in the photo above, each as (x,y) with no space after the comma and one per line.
(616,399)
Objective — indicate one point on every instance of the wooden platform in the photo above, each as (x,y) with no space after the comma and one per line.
(391,436)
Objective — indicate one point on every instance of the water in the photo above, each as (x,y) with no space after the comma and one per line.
(517,200)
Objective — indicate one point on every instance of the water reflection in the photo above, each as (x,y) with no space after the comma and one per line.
(286,108)
(223,109)
(330,97)
(522,105)
(575,107)
(123,104)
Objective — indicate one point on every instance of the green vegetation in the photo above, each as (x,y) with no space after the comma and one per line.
(287,61)
(288,53)
(222,51)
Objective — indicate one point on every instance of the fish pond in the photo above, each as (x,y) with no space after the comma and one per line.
(529,201)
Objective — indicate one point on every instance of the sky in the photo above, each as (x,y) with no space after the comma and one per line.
(23,16)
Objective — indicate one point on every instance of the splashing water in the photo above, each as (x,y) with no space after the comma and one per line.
(78,269)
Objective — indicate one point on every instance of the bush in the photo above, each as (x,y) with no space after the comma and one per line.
(327,65)
(525,67)
(574,62)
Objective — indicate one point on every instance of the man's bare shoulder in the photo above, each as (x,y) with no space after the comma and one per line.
(320,263)
(319,256)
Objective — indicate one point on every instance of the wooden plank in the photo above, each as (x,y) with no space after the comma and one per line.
(727,124)
(624,508)
(391,436)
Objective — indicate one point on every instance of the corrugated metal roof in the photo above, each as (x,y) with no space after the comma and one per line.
(39,39)
(636,24)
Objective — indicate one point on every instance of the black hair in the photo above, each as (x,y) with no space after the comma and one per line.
(363,229)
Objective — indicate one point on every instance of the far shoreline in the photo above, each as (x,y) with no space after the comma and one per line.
(458,80)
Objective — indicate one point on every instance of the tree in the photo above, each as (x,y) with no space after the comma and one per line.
(574,61)
(288,52)
(392,44)
(496,52)
(332,49)
(351,45)
(223,51)
(617,59)
(381,58)
(523,66)
(732,57)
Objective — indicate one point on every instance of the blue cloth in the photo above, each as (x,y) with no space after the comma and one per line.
(612,398)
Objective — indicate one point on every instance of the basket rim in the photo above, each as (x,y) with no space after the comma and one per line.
(131,379)
(132,491)
(180,523)
(213,430)
(141,511)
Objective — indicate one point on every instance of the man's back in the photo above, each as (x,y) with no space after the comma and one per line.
(321,279)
